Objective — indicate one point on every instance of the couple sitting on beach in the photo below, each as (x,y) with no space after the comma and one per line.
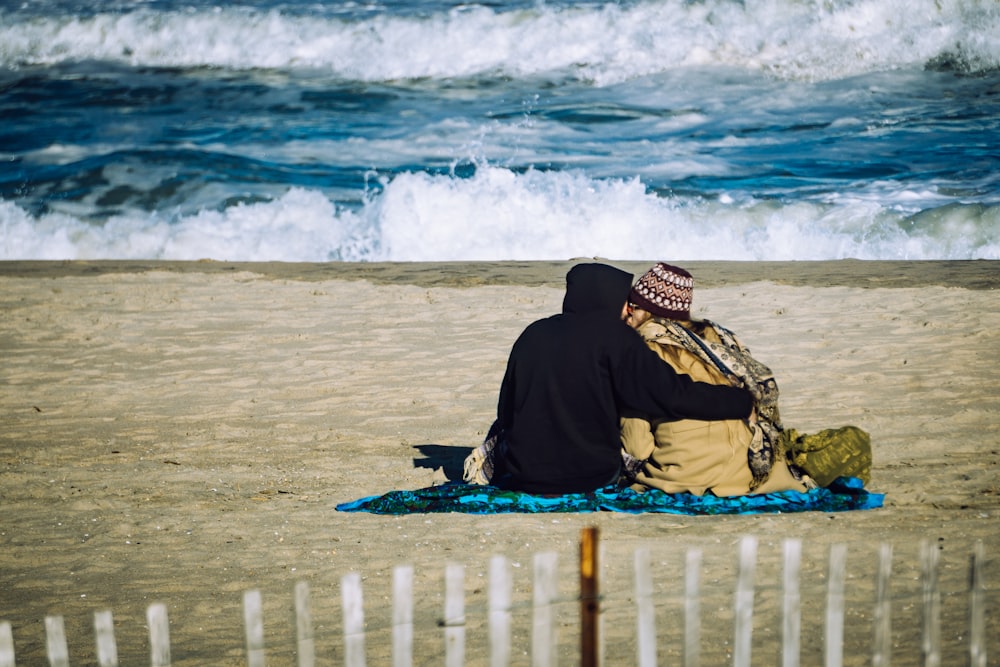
(683,407)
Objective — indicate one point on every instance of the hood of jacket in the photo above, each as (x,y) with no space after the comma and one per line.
(596,288)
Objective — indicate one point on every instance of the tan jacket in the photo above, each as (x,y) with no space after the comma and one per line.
(696,456)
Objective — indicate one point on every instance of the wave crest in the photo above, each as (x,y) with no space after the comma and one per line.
(815,40)
(498,214)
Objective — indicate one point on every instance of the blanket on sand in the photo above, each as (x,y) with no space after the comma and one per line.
(844,494)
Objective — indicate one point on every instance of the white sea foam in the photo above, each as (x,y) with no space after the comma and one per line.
(608,43)
(499,214)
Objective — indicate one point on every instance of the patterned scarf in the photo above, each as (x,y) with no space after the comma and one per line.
(734,361)
(479,464)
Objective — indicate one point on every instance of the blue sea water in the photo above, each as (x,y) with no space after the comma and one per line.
(316,130)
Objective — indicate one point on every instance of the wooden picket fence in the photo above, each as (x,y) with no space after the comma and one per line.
(543,644)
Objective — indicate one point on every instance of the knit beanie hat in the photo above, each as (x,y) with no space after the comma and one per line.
(665,291)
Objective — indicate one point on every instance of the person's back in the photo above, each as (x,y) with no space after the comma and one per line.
(695,456)
(559,397)
(568,378)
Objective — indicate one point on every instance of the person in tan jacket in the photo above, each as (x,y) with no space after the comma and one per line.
(731,457)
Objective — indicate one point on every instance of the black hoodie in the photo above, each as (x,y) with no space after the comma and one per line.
(570,376)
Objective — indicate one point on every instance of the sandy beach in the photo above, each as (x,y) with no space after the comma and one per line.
(182,432)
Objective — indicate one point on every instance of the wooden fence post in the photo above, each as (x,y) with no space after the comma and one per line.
(402,616)
(791,616)
(104,635)
(602,646)
(159,635)
(544,641)
(304,639)
(589,601)
(500,597)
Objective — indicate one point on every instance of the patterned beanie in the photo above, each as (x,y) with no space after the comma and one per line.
(665,291)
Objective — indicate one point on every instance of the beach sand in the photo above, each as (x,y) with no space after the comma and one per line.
(182,432)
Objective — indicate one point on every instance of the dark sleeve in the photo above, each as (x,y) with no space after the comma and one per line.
(645,383)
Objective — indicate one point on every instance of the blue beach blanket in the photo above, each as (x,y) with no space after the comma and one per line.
(844,494)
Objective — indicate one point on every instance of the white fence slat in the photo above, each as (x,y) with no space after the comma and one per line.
(55,642)
(692,608)
(500,598)
(104,636)
(304,638)
(882,635)
(454,615)
(543,636)
(834,642)
(354,620)
(159,635)
(931,642)
(253,625)
(6,645)
(743,630)
(402,616)
(791,611)
(977,612)
(645,612)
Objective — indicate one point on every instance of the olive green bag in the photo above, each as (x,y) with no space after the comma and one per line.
(833,453)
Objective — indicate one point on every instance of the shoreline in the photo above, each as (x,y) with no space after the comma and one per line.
(977,274)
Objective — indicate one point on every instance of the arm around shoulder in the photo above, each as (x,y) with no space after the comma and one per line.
(665,393)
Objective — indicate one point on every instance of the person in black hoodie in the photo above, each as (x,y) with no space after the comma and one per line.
(569,379)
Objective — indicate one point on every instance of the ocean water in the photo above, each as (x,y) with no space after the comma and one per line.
(325,130)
